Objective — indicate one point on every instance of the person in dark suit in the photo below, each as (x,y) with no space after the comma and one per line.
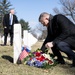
(60,37)
(8,21)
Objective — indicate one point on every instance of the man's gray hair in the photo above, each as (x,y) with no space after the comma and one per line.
(11,9)
(42,15)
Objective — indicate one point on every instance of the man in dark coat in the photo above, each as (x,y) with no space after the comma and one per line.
(61,35)
(8,21)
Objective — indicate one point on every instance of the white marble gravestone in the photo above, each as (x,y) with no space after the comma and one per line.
(17,41)
(25,37)
(28,39)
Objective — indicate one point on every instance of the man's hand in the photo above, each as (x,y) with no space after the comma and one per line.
(49,45)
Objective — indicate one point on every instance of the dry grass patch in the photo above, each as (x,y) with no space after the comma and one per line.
(8,68)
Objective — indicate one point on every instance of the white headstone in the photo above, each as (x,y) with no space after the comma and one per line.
(28,39)
(17,41)
(25,36)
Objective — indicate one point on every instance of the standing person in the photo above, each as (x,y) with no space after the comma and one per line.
(8,21)
(61,35)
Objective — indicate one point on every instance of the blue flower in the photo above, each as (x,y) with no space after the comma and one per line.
(30,63)
(38,64)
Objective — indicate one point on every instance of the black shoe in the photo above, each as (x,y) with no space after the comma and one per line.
(69,58)
(60,61)
(72,65)
(11,44)
(3,45)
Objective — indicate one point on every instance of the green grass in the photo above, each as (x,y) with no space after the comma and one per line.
(8,68)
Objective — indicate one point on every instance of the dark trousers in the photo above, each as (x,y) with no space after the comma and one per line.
(11,38)
(66,48)
(57,53)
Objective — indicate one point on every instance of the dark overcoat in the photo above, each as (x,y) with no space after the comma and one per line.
(6,23)
(60,28)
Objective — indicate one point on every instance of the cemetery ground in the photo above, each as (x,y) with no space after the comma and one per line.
(8,68)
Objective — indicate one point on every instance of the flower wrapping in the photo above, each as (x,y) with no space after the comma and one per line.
(38,59)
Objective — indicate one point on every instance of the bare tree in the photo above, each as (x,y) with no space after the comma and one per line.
(68,8)
(39,32)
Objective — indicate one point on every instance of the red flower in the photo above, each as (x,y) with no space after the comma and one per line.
(37,54)
(41,58)
(30,58)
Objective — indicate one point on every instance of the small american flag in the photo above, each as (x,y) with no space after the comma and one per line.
(23,54)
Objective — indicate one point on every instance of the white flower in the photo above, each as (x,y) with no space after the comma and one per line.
(47,56)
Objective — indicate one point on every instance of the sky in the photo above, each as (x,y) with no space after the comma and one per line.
(29,10)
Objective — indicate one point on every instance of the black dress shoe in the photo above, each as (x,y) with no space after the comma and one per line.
(3,45)
(69,58)
(72,65)
(11,44)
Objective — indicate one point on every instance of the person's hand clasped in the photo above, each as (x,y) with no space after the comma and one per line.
(49,45)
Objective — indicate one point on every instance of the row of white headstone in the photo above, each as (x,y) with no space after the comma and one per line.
(28,40)
(18,42)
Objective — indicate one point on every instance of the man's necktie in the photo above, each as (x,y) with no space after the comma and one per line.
(11,19)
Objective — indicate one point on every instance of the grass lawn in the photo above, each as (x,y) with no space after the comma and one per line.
(8,68)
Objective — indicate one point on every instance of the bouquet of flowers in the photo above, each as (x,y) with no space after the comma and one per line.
(38,59)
